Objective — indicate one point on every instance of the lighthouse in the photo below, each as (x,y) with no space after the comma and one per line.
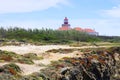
(66,20)
(65,25)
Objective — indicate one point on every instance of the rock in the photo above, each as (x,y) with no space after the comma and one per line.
(104,65)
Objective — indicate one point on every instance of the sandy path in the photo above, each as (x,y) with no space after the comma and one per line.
(23,49)
(56,56)
(28,69)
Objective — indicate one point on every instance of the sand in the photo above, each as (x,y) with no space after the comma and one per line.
(23,49)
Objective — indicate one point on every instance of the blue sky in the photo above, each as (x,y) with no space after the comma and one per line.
(101,15)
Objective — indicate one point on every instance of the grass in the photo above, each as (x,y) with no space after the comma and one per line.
(8,56)
(64,51)
(81,44)
(33,56)
(25,61)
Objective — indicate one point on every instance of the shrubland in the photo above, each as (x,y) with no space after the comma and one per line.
(46,36)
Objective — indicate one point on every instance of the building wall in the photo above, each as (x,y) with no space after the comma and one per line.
(93,33)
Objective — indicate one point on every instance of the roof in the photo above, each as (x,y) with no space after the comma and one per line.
(89,30)
(78,29)
(64,28)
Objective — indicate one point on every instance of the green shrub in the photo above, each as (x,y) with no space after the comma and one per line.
(13,57)
(8,56)
(12,68)
(25,61)
(33,56)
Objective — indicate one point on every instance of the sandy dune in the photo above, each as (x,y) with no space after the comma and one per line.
(23,49)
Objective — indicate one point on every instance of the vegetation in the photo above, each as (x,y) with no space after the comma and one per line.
(6,56)
(13,72)
(33,56)
(65,51)
(95,64)
(98,64)
(23,60)
(50,36)
(12,69)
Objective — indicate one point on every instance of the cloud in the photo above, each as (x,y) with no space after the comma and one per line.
(19,6)
(114,12)
(109,27)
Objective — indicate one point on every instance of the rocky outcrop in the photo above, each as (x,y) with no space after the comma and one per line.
(97,65)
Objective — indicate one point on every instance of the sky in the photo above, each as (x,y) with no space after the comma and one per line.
(100,15)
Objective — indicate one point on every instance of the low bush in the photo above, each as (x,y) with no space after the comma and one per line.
(8,56)
(11,69)
(25,61)
(33,56)
(64,51)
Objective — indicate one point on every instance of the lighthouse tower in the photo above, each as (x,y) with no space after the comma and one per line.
(66,25)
